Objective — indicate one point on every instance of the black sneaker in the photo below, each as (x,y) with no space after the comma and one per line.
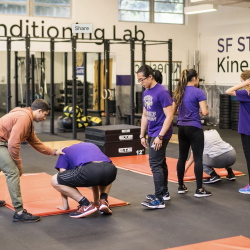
(213,179)
(202,193)
(231,177)
(182,189)
(2,203)
(152,197)
(25,217)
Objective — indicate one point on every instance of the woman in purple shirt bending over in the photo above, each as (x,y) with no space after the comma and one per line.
(188,99)
(157,117)
(243,97)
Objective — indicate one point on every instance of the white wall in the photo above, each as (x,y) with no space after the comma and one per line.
(104,14)
(227,22)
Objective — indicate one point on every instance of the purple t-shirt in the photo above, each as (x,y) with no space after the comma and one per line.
(244,115)
(80,154)
(154,100)
(188,112)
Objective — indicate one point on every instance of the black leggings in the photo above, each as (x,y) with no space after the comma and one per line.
(245,139)
(194,137)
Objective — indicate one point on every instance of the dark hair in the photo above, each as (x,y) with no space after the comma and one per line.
(146,71)
(185,77)
(40,104)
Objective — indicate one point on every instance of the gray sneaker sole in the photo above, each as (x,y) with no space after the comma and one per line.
(210,182)
(29,221)
(182,191)
(231,179)
(202,195)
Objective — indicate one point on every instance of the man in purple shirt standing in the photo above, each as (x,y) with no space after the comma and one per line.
(243,97)
(157,117)
(84,165)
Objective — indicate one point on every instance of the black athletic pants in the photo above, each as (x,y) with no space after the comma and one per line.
(159,168)
(245,139)
(194,137)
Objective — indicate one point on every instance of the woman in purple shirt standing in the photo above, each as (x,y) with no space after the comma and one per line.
(188,99)
(157,117)
(243,97)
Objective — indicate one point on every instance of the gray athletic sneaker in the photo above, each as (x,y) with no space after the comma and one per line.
(2,203)
(25,217)
(152,197)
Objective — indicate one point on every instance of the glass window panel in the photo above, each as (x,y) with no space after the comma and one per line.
(15,9)
(134,16)
(53,2)
(51,11)
(168,18)
(14,1)
(168,7)
(134,5)
(170,1)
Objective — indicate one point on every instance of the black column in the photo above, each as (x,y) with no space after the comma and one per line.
(52,85)
(73,39)
(32,78)
(16,79)
(132,97)
(170,67)
(99,81)
(27,45)
(107,48)
(65,78)
(143,56)
(8,93)
(85,86)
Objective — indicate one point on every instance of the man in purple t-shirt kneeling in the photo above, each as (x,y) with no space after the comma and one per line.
(84,165)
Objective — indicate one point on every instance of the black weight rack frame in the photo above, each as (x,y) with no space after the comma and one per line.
(74,40)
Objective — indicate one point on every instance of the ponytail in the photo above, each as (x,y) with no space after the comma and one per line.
(185,77)
(157,76)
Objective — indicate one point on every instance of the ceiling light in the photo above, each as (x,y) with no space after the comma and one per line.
(200,8)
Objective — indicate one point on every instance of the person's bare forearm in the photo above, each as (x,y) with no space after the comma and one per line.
(231,91)
(144,125)
(166,125)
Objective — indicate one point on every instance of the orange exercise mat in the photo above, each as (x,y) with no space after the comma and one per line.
(40,198)
(140,164)
(232,243)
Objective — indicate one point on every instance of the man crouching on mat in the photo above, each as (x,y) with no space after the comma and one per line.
(84,165)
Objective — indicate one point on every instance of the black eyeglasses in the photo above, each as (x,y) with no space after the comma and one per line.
(141,80)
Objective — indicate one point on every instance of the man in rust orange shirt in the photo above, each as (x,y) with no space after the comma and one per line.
(15,127)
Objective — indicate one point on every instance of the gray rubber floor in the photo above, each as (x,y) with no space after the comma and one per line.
(185,220)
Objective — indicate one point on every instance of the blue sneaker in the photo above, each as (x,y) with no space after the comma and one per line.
(152,197)
(245,190)
(154,204)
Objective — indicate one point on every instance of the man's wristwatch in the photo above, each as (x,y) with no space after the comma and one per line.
(160,137)
(142,137)
(55,151)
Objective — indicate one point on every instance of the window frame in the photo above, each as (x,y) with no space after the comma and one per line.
(30,9)
(152,12)
(183,5)
(32,5)
(138,11)
(16,3)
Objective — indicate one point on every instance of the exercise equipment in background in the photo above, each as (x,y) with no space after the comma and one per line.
(225,111)
(95,121)
(116,140)
(67,122)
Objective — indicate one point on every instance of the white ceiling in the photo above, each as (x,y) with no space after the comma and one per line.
(232,3)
